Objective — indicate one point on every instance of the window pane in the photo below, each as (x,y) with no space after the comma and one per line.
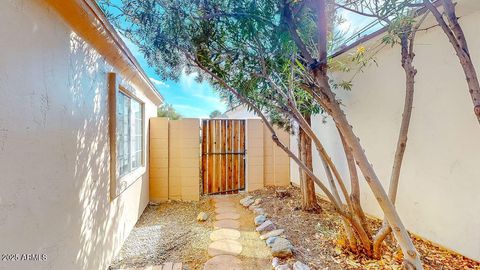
(129,134)
(136,131)
(123,134)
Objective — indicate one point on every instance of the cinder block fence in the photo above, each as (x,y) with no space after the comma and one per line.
(175,159)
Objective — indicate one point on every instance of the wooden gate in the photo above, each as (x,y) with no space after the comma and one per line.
(223,156)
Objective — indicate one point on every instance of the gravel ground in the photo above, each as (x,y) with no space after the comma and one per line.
(168,232)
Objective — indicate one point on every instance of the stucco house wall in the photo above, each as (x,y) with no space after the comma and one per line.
(54,142)
(440,178)
(240,112)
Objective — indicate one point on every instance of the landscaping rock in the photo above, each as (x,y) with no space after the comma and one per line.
(246,199)
(247,203)
(300,266)
(202,216)
(270,241)
(275,262)
(252,207)
(266,226)
(282,267)
(282,248)
(272,233)
(260,219)
(257,201)
(259,211)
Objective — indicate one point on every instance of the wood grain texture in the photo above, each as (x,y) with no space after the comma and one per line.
(223,156)
(204,156)
(242,157)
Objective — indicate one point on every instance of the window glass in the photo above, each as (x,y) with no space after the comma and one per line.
(137,132)
(129,134)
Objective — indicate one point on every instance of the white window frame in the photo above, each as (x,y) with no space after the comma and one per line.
(119,183)
(131,119)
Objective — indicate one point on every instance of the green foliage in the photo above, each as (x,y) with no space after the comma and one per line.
(246,43)
(167,110)
(216,114)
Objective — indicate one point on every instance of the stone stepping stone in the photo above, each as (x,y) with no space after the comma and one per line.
(226,224)
(221,210)
(224,204)
(227,215)
(222,199)
(222,234)
(223,262)
(224,247)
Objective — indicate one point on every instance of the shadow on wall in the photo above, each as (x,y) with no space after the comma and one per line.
(95,224)
(54,148)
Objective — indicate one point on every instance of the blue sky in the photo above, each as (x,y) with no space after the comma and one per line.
(188,97)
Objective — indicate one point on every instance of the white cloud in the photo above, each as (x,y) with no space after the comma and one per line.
(159,83)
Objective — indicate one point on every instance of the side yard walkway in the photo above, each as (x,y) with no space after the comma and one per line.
(235,244)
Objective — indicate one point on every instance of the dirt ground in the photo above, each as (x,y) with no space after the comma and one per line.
(315,237)
(168,232)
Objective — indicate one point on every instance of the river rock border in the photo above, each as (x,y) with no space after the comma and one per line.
(274,237)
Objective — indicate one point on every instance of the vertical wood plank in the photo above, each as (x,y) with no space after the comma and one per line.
(217,156)
(210,156)
(204,156)
(228,155)
(235,156)
(242,157)
(224,157)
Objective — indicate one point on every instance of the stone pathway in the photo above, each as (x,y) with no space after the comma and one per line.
(235,245)
(165,266)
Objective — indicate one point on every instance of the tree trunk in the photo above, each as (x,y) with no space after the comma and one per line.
(327,99)
(410,72)
(355,186)
(457,38)
(307,186)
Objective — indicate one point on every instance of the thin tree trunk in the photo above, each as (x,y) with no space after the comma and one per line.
(330,103)
(355,185)
(307,186)
(325,97)
(457,38)
(410,72)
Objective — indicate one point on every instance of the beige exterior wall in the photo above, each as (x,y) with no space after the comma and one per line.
(175,159)
(54,145)
(440,179)
(241,112)
(159,159)
(254,134)
(184,159)
(276,161)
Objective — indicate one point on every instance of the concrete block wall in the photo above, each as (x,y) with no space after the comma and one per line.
(281,161)
(184,164)
(174,159)
(159,159)
(276,161)
(255,155)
